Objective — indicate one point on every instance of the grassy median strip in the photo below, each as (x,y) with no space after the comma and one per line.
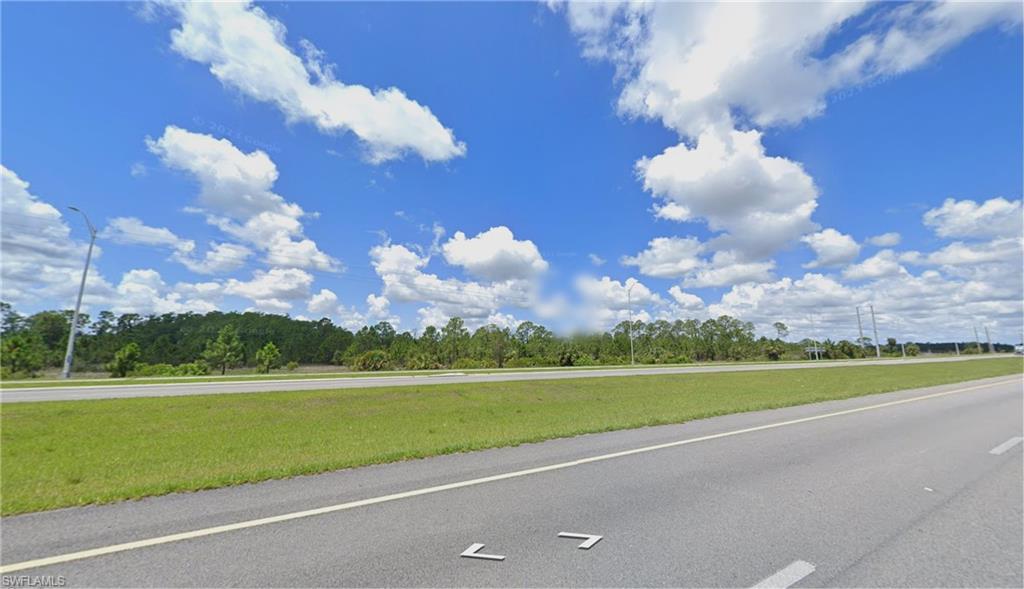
(59,454)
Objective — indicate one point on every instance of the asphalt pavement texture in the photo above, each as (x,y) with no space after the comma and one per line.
(118,391)
(904,494)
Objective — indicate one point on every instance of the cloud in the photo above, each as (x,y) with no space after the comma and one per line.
(686,301)
(236,194)
(832,248)
(890,239)
(760,202)
(668,257)
(607,302)
(596,260)
(700,65)
(322,303)
(42,261)
(494,254)
(996,217)
(219,258)
(246,50)
(884,263)
(727,268)
(130,230)
(144,291)
(402,271)
(272,291)
(708,70)
(960,254)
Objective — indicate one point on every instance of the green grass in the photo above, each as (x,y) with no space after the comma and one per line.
(58,454)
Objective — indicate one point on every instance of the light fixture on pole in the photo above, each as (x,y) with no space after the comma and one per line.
(66,372)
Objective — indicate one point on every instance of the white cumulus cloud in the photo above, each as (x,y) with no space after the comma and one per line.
(996,217)
(246,50)
(236,194)
(831,247)
(494,254)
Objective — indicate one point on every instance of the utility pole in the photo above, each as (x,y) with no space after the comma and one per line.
(66,373)
(629,307)
(977,342)
(860,329)
(988,338)
(903,348)
(956,347)
(874,325)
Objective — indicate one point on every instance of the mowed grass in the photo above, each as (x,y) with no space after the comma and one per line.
(58,454)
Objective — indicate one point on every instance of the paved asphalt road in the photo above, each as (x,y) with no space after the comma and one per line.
(81,392)
(900,489)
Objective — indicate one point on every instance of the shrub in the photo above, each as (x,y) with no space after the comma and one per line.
(567,355)
(585,360)
(124,360)
(23,354)
(422,362)
(373,360)
(469,364)
(291,366)
(267,357)
(198,368)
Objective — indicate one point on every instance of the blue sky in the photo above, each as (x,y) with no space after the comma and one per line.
(532,120)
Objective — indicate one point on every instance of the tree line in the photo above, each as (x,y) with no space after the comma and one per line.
(193,344)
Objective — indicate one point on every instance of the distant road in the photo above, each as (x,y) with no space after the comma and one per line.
(917,488)
(118,391)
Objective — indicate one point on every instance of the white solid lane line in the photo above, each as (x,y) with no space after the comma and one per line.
(71,556)
(1001,448)
(787,576)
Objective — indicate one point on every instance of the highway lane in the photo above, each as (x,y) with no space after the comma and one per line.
(914,488)
(117,391)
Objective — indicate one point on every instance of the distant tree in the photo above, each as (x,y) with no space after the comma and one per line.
(781,329)
(10,320)
(891,347)
(454,337)
(267,357)
(226,351)
(774,350)
(125,360)
(913,349)
(22,354)
(52,329)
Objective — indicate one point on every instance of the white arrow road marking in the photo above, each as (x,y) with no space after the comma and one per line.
(787,576)
(591,539)
(471,552)
(1001,448)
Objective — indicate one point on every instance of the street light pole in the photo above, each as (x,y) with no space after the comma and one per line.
(66,373)
(629,308)
(860,329)
(874,325)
